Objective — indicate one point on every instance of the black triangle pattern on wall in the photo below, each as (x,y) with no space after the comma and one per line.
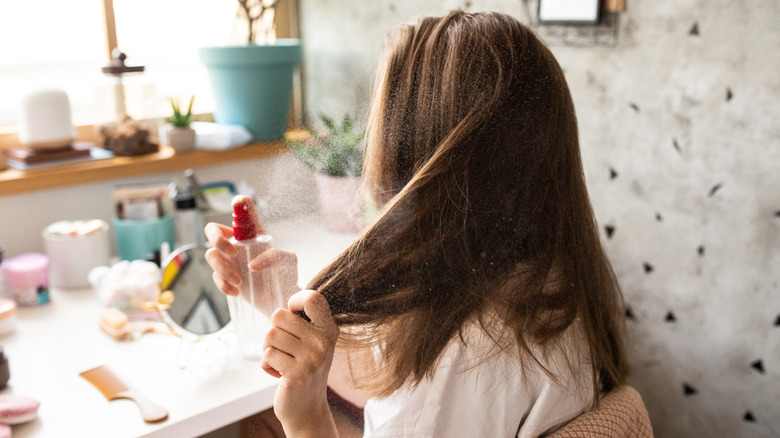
(663,255)
(630,314)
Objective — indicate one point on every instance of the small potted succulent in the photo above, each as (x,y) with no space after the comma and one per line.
(180,135)
(336,157)
(253,82)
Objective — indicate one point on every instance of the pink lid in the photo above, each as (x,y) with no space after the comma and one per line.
(24,270)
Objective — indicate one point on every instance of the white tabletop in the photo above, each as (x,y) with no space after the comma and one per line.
(204,385)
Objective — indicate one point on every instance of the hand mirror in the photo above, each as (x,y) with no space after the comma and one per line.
(198,306)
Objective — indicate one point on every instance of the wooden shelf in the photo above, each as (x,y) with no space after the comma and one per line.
(14,181)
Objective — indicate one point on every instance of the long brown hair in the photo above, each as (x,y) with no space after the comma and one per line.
(473,153)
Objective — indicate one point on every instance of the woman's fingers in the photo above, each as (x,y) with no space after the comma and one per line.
(273,257)
(223,266)
(276,362)
(225,247)
(285,263)
(224,286)
(316,307)
(283,351)
(281,340)
(219,236)
(214,231)
(291,323)
(219,256)
(307,346)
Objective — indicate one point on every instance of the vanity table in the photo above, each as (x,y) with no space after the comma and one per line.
(204,385)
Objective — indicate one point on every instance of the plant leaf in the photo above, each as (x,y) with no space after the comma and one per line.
(189,108)
(347,124)
(178,119)
(328,122)
(339,152)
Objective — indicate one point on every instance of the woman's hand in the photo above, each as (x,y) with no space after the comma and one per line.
(220,257)
(222,254)
(300,353)
(286,265)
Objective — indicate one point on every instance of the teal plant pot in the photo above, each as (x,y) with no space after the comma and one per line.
(253,85)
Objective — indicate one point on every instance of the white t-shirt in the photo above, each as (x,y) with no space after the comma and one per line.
(489,400)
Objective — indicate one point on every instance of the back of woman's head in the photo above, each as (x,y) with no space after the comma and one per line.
(473,155)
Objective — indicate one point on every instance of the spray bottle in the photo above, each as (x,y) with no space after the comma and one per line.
(260,292)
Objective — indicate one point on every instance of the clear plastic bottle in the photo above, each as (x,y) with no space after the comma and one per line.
(260,292)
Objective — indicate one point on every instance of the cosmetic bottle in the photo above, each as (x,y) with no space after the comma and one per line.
(27,279)
(188,221)
(260,292)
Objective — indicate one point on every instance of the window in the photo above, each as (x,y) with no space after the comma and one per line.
(164,36)
(50,43)
(64,44)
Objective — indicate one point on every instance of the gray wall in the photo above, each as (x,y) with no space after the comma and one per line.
(681,144)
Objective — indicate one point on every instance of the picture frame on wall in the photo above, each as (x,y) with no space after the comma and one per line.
(569,11)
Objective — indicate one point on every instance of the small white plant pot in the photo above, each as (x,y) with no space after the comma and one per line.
(181,139)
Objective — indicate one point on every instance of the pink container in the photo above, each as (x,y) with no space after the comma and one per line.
(27,277)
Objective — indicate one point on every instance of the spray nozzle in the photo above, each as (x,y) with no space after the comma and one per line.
(246,225)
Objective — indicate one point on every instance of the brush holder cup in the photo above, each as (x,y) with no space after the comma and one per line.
(74,248)
(142,239)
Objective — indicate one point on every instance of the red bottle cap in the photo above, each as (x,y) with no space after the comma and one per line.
(246,225)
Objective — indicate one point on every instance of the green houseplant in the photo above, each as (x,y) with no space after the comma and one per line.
(253,82)
(337,153)
(180,119)
(180,135)
(336,156)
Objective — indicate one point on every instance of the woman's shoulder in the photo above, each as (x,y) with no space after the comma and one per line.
(480,390)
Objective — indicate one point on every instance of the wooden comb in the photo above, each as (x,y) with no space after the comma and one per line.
(114,388)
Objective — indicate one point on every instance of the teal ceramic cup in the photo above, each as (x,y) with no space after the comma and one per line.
(139,239)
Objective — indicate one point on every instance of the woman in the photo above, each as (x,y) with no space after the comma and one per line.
(480,294)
